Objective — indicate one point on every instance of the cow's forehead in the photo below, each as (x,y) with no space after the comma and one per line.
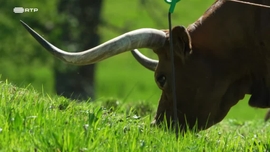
(163,52)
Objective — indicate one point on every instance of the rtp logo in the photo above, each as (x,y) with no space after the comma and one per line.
(22,10)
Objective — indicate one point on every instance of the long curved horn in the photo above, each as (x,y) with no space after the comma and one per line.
(141,38)
(145,61)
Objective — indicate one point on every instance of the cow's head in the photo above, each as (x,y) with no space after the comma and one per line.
(202,99)
(205,87)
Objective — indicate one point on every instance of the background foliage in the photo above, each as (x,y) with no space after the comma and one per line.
(23,61)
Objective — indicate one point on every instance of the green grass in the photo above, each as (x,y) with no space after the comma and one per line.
(32,121)
(127,98)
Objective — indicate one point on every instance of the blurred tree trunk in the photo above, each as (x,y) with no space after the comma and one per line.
(79,32)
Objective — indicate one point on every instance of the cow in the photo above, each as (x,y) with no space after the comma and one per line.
(218,59)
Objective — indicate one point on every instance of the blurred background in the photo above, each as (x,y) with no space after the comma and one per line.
(76,25)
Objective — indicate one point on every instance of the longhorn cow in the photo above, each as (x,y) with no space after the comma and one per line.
(219,59)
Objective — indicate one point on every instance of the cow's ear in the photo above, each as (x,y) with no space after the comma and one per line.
(181,41)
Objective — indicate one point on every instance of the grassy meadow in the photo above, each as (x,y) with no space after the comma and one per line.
(32,118)
(35,121)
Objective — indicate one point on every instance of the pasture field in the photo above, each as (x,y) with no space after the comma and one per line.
(33,121)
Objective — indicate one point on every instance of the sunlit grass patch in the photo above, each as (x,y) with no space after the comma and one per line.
(32,121)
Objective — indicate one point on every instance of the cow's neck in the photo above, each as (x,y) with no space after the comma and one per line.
(232,31)
(230,25)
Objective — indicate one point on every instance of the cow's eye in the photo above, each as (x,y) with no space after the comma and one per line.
(161,79)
